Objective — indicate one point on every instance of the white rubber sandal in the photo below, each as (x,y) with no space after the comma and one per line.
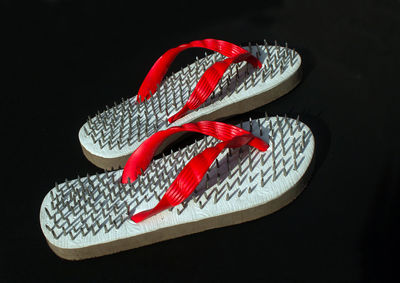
(91,216)
(110,137)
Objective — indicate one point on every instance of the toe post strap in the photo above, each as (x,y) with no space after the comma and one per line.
(160,67)
(209,80)
(192,174)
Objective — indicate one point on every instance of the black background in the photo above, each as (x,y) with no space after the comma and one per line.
(65,60)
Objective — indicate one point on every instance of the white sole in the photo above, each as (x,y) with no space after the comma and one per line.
(88,217)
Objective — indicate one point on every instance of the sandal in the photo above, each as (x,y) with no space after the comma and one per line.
(220,85)
(249,173)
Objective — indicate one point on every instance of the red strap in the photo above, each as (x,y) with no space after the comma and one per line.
(142,156)
(160,67)
(209,81)
(191,175)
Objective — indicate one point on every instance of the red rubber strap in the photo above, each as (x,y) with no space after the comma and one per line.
(209,81)
(191,175)
(160,67)
(142,156)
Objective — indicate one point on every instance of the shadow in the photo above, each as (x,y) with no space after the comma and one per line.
(380,246)
(322,136)
(308,61)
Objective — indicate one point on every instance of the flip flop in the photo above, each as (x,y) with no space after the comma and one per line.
(249,173)
(212,88)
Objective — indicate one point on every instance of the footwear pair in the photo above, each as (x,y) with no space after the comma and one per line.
(234,174)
